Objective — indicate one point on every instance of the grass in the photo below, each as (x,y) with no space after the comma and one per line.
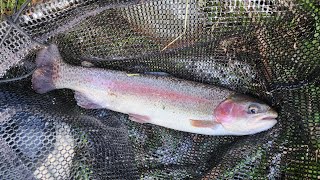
(7,6)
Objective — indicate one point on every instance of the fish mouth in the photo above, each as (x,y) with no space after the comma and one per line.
(269,118)
(272,115)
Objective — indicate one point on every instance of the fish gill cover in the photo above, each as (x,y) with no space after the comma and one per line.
(268,49)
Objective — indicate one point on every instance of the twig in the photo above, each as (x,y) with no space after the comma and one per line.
(17,78)
(184,30)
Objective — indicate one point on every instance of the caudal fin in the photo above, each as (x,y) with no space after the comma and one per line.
(48,66)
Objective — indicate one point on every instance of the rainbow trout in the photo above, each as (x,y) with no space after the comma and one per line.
(164,101)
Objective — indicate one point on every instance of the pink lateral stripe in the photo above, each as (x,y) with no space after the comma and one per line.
(151,91)
(146,91)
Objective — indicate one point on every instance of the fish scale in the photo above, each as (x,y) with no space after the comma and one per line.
(164,101)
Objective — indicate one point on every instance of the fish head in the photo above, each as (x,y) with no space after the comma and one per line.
(242,115)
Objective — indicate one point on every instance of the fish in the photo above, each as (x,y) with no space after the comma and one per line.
(164,101)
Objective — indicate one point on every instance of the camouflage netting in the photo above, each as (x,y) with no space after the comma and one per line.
(265,48)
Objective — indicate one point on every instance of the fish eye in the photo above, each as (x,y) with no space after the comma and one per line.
(253,109)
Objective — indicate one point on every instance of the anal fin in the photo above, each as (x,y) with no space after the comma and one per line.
(85,102)
(139,118)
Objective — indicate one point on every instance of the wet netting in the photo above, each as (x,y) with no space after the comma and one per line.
(268,49)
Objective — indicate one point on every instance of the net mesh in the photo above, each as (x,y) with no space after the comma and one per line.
(266,48)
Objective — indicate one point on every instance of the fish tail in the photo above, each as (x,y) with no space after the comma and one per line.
(49,64)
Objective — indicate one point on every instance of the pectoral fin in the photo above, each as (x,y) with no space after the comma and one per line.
(203,123)
(85,102)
